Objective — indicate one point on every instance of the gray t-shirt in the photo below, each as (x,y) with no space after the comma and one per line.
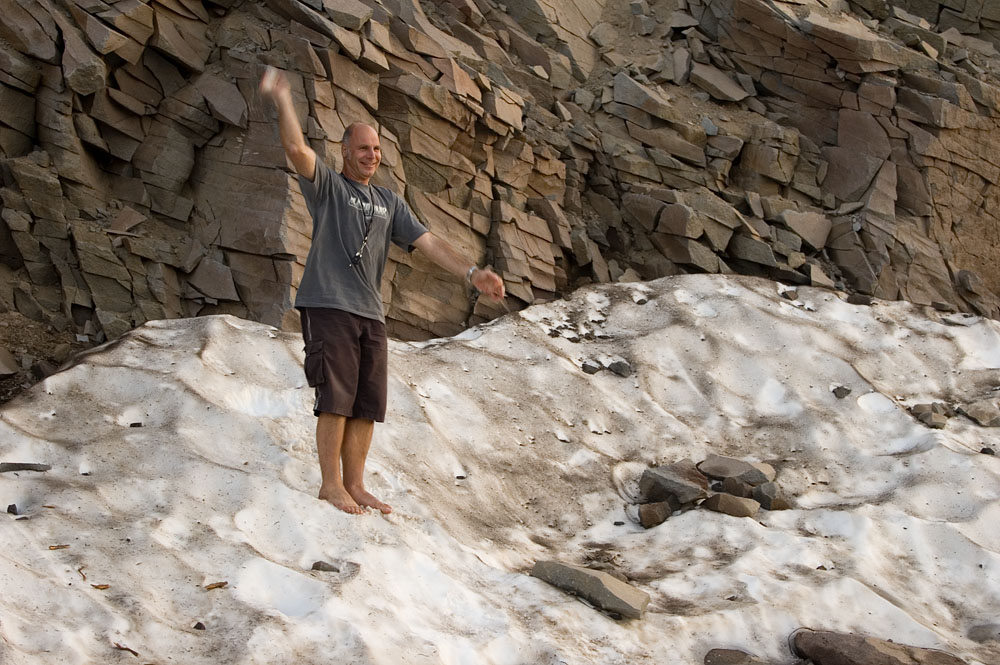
(341,210)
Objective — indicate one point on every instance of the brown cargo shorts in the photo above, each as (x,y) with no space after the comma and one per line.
(346,362)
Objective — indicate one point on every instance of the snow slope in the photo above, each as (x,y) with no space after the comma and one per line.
(182,456)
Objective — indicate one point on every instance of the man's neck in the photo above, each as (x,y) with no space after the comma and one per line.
(354,179)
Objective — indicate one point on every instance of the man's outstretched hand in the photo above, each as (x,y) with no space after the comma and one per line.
(273,83)
(489,284)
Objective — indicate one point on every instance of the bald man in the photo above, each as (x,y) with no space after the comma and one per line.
(339,299)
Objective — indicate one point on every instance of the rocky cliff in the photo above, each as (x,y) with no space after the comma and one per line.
(849,144)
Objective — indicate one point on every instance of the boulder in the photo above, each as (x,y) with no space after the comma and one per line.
(599,588)
(679,481)
(830,648)
(731,657)
(985,413)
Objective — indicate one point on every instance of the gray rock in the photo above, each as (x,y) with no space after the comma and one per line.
(812,227)
(590,366)
(829,648)
(680,220)
(599,588)
(632,93)
(686,251)
(840,392)
(720,468)
(731,657)
(341,570)
(603,34)
(985,413)
(214,279)
(223,99)
(751,249)
(770,497)
(680,481)
(726,147)
(618,365)
(732,505)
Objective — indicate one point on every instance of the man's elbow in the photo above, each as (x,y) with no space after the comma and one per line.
(303,159)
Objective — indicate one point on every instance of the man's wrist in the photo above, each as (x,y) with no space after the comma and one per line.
(470,273)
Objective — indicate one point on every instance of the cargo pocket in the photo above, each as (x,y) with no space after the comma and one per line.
(314,363)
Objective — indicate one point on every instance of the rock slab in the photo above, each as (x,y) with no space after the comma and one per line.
(597,587)
(829,648)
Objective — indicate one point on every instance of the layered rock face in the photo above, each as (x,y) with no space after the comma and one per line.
(853,146)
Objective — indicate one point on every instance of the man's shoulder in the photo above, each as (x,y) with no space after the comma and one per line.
(328,180)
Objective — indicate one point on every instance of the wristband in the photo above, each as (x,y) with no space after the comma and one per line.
(468,275)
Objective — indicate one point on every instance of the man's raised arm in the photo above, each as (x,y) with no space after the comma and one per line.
(274,85)
(447,257)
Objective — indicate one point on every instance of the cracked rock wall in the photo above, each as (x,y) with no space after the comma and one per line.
(850,145)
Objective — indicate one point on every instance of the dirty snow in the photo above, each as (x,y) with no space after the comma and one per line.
(182,457)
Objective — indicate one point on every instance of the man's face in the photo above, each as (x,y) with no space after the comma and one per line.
(362,154)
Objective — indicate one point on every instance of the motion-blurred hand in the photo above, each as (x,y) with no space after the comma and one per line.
(489,284)
(273,83)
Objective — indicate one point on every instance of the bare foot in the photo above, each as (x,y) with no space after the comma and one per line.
(342,500)
(368,500)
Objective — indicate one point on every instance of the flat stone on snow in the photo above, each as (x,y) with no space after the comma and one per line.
(617,365)
(732,505)
(829,648)
(985,413)
(597,587)
(720,468)
(731,657)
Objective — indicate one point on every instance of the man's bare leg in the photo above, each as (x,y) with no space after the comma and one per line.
(330,429)
(357,441)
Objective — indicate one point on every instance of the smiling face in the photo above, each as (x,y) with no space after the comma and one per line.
(362,152)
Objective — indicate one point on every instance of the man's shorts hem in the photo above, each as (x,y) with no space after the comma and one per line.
(379,418)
